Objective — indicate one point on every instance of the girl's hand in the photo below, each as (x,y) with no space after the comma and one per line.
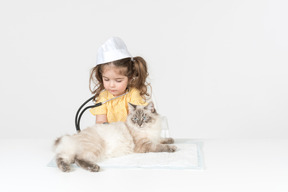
(101,119)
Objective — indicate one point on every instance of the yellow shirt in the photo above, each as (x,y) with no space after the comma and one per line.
(117,109)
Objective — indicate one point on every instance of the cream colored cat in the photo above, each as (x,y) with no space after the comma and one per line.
(140,134)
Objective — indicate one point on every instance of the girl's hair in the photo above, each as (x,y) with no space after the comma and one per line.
(136,71)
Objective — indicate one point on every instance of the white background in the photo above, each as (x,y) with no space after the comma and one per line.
(218,68)
(218,71)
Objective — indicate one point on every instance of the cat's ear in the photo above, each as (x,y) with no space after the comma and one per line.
(150,107)
(131,107)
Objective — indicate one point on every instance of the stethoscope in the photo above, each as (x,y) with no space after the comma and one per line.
(77,119)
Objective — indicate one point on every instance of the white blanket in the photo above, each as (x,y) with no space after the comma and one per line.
(188,156)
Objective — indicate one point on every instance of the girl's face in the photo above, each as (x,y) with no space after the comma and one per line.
(113,80)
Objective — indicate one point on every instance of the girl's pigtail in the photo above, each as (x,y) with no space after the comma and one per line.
(96,80)
(140,75)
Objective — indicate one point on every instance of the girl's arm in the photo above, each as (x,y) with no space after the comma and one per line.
(101,119)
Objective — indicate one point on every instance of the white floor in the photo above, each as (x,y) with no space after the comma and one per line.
(230,165)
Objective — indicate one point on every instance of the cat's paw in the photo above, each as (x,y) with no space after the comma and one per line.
(93,168)
(170,141)
(90,166)
(172,148)
(167,140)
(65,167)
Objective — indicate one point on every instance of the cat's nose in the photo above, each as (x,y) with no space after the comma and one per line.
(140,124)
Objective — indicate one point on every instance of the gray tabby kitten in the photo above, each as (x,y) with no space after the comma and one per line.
(140,134)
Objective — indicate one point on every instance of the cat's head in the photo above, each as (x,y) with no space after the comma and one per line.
(142,116)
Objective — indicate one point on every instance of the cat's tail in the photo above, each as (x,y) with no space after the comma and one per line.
(65,149)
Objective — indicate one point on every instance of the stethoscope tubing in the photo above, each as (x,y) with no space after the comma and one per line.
(78,117)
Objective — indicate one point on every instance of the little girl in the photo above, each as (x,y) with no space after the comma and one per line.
(117,73)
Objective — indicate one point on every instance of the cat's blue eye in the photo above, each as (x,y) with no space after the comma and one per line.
(135,119)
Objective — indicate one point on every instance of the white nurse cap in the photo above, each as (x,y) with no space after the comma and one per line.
(113,49)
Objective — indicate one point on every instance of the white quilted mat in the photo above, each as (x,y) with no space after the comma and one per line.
(188,156)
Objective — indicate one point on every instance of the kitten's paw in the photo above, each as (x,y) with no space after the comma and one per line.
(93,168)
(170,140)
(167,140)
(65,167)
(172,148)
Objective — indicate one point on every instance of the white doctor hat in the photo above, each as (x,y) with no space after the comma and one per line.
(113,49)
